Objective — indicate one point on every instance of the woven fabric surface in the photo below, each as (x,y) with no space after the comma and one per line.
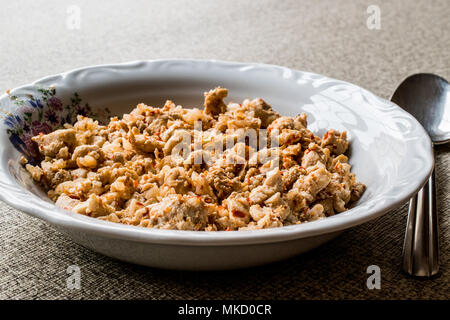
(327,37)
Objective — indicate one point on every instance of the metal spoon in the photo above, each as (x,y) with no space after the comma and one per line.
(427,98)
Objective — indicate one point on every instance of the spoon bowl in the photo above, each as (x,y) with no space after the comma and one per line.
(427,97)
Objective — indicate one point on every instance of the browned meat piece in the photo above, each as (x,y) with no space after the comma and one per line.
(214,104)
(335,141)
(88,156)
(224,184)
(263,111)
(50,144)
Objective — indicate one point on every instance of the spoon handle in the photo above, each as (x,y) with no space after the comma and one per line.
(421,246)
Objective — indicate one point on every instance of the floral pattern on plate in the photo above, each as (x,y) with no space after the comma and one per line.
(44,113)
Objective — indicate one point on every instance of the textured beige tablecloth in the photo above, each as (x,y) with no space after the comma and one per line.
(328,37)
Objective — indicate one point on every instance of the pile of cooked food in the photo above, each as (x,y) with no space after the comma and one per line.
(239,166)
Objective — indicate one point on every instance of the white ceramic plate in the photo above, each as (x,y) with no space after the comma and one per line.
(390,152)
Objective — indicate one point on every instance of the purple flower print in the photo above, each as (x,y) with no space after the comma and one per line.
(26,128)
(38,127)
(81,111)
(51,116)
(55,104)
(30,145)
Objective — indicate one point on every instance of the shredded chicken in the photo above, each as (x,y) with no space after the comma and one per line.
(224,167)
